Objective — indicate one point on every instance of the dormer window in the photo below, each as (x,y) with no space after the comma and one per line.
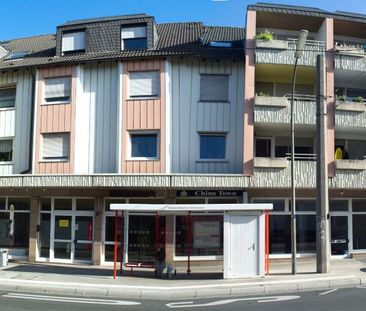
(134,38)
(73,42)
(16,55)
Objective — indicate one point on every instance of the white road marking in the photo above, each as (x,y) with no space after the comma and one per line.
(71,299)
(328,292)
(190,304)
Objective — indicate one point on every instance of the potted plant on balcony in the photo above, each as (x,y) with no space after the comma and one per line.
(358,99)
(342,98)
(267,40)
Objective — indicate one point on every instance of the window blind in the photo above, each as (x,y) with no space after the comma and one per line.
(73,41)
(133,32)
(57,88)
(144,84)
(56,146)
(214,88)
(7,97)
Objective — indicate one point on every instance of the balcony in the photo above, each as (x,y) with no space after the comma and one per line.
(350,112)
(269,109)
(282,52)
(349,56)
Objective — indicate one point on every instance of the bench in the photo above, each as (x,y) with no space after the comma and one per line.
(139,265)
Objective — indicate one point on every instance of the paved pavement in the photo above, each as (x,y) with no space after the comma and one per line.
(97,281)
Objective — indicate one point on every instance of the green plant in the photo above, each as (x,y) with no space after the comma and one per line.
(266,35)
(358,99)
(262,94)
(342,98)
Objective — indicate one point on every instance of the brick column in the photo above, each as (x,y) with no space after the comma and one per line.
(98,225)
(33,222)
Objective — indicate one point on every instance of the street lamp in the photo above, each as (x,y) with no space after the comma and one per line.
(298,53)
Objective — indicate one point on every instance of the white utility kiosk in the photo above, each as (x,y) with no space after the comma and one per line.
(244,232)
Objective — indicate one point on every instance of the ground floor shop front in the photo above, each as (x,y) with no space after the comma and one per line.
(79,227)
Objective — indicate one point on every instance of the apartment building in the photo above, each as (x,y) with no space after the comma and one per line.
(118,110)
(125,110)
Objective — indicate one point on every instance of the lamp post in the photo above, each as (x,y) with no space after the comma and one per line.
(298,53)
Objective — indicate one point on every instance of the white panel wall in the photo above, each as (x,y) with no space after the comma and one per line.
(17,122)
(98,107)
(190,116)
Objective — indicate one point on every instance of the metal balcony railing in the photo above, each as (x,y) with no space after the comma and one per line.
(302,97)
(302,156)
(310,45)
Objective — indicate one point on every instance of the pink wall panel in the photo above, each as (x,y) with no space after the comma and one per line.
(144,114)
(56,118)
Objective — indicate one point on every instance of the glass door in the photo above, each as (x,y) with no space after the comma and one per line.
(83,238)
(62,238)
(339,235)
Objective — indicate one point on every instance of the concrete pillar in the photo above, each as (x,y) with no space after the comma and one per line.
(33,222)
(169,228)
(98,225)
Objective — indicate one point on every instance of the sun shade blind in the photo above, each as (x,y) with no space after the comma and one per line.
(58,87)
(56,146)
(7,98)
(133,32)
(73,41)
(214,88)
(144,84)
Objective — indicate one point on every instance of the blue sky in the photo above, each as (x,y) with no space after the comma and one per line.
(22,18)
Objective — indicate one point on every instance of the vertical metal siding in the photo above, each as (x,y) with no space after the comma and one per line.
(16,122)
(190,116)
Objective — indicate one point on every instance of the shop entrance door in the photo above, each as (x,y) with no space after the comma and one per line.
(72,238)
(339,235)
(145,233)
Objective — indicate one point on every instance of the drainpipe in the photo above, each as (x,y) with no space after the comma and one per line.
(31,125)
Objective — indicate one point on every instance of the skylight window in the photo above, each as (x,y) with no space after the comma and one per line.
(17,55)
(220,44)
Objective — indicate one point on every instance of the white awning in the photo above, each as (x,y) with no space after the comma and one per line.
(178,208)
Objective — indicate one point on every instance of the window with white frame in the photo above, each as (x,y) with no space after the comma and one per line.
(144,145)
(212,146)
(7,97)
(73,42)
(6,150)
(57,90)
(214,88)
(134,38)
(56,146)
(144,84)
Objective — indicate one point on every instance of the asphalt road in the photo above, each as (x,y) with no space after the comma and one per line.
(350,299)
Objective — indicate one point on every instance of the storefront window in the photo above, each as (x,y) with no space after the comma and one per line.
(21,230)
(85,204)
(359,206)
(359,231)
(306,233)
(2,203)
(63,204)
(338,205)
(278,205)
(206,234)
(280,234)
(45,204)
(19,204)
(5,225)
(44,235)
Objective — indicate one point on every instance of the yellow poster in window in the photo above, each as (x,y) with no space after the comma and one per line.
(63,223)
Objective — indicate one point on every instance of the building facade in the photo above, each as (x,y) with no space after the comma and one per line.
(125,110)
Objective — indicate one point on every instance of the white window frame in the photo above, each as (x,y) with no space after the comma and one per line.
(225,134)
(136,32)
(77,40)
(12,157)
(129,149)
(55,159)
(144,96)
(64,101)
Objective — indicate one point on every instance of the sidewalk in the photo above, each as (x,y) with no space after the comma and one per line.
(99,282)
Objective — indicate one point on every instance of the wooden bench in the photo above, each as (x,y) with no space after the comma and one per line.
(139,265)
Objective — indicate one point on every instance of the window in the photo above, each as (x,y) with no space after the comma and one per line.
(17,55)
(73,42)
(144,84)
(7,97)
(6,150)
(57,90)
(212,146)
(263,147)
(144,145)
(214,88)
(56,146)
(134,38)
